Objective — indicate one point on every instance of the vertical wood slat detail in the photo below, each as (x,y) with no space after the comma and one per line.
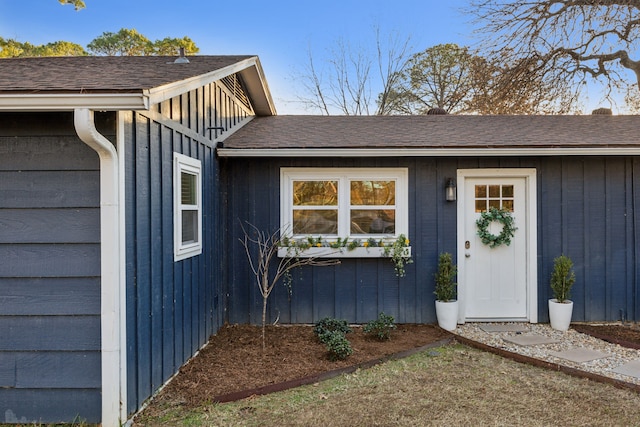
(171,310)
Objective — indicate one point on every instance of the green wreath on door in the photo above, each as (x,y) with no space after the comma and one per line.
(502,216)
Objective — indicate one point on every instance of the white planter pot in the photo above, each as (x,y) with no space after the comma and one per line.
(560,314)
(447,314)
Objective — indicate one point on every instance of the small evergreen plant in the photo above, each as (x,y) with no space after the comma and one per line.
(329,324)
(447,271)
(332,333)
(381,327)
(337,344)
(562,278)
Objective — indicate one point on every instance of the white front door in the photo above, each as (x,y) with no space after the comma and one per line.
(497,283)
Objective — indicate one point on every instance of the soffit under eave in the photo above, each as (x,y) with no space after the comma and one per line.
(251,72)
(258,88)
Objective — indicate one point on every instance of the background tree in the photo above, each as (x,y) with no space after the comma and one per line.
(169,46)
(632,99)
(563,40)
(126,42)
(346,81)
(457,80)
(441,76)
(78,4)
(12,48)
(129,42)
(503,88)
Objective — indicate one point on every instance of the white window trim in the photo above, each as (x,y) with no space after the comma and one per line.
(400,175)
(182,163)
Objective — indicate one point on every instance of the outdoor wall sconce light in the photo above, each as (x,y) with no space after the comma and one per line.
(450,191)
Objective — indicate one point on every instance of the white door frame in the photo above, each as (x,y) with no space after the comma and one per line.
(529,174)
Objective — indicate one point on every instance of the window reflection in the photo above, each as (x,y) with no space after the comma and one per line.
(315,193)
(494,196)
(376,221)
(378,193)
(315,221)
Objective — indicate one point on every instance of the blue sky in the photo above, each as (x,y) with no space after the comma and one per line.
(281,33)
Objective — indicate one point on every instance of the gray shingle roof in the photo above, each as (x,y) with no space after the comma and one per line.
(92,74)
(450,131)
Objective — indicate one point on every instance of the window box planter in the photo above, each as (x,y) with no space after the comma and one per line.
(328,252)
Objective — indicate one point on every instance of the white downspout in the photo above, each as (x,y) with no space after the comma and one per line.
(111,283)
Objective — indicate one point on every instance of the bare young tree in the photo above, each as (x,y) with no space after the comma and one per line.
(564,41)
(345,82)
(262,252)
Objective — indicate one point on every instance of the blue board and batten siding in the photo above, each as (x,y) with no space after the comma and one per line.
(49,269)
(586,210)
(172,307)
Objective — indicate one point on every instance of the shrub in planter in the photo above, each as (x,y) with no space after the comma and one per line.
(562,278)
(445,290)
(445,285)
(329,324)
(337,344)
(381,327)
(561,307)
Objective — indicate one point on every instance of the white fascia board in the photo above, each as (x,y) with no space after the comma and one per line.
(70,102)
(258,87)
(427,152)
(162,93)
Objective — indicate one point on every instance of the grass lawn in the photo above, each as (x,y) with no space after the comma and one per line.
(453,385)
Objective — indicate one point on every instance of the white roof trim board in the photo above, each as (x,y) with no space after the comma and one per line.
(68,102)
(427,152)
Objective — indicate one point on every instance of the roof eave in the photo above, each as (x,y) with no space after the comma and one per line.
(250,70)
(69,102)
(428,152)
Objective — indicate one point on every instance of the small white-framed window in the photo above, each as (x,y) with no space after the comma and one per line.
(344,202)
(187,207)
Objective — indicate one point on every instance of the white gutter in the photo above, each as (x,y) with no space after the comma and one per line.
(69,102)
(111,283)
(426,152)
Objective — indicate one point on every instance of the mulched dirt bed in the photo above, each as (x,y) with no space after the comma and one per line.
(234,360)
(626,335)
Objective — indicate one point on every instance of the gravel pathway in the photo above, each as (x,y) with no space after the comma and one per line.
(617,355)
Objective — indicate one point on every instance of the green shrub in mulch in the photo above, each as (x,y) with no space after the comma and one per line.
(381,327)
(329,324)
(338,345)
(332,332)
